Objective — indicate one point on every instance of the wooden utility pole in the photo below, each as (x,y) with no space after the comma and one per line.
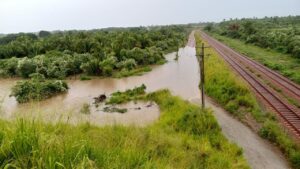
(202,74)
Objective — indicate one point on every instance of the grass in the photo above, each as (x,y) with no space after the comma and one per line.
(136,93)
(232,92)
(84,77)
(283,63)
(85,109)
(185,136)
(115,109)
(134,72)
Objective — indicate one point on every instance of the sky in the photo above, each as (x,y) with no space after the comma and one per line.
(35,15)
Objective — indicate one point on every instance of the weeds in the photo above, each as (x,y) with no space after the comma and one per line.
(85,109)
(114,109)
(133,72)
(185,136)
(128,95)
(84,77)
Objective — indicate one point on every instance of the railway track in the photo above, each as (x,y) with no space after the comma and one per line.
(286,85)
(289,114)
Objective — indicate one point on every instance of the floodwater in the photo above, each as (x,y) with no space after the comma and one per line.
(181,77)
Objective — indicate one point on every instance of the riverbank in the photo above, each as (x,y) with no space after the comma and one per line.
(184,136)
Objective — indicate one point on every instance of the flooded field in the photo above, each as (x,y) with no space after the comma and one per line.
(181,77)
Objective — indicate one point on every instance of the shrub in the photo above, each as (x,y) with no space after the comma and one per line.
(37,89)
(26,67)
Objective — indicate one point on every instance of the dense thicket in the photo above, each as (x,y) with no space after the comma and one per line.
(279,33)
(96,52)
(37,88)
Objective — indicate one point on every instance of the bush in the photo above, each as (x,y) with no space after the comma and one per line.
(26,67)
(37,89)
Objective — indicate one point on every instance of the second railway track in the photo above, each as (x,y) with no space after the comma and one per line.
(288,113)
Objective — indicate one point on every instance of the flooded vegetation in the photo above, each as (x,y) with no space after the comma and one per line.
(76,93)
(180,76)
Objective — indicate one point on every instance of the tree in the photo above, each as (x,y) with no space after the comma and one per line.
(208,27)
(107,65)
(43,34)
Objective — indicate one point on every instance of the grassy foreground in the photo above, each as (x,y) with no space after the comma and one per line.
(184,137)
(286,64)
(232,92)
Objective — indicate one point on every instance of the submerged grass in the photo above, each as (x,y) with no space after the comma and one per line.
(232,92)
(134,72)
(185,136)
(119,97)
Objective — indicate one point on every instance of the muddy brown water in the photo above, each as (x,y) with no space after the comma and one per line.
(180,77)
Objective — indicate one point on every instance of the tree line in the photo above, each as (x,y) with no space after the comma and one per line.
(279,33)
(95,52)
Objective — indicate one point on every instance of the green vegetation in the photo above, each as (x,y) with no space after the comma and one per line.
(37,89)
(137,71)
(136,93)
(85,109)
(97,52)
(273,132)
(235,95)
(84,77)
(274,42)
(283,63)
(185,136)
(115,109)
(279,33)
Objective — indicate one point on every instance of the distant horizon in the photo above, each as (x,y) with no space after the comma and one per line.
(35,15)
(62,30)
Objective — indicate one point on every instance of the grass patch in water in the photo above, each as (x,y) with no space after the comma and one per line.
(134,72)
(136,93)
(185,136)
(85,109)
(114,109)
(84,77)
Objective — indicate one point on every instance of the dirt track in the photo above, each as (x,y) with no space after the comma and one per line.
(259,153)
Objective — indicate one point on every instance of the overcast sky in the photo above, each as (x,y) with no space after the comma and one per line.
(35,15)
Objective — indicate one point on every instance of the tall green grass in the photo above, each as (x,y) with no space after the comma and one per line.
(232,92)
(185,136)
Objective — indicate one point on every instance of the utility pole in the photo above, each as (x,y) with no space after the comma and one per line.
(202,74)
